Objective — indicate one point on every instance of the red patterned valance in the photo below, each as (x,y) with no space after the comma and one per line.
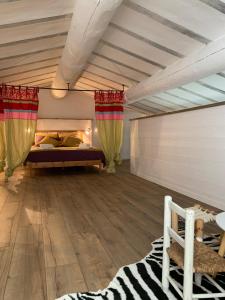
(18,93)
(18,102)
(109,105)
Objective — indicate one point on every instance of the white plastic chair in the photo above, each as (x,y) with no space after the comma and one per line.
(188,244)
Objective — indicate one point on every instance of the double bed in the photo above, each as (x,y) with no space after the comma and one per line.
(64,157)
(67,148)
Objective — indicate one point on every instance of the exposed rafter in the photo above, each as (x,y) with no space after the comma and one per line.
(210,59)
(83,37)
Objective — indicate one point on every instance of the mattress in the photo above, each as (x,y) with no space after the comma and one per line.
(64,154)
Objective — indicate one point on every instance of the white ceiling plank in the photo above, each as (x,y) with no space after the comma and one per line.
(79,86)
(147,108)
(26,10)
(97,78)
(109,75)
(204,91)
(135,109)
(29,67)
(29,74)
(85,86)
(134,45)
(155,31)
(92,83)
(102,62)
(154,104)
(175,100)
(186,95)
(34,30)
(32,46)
(215,81)
(41,82)
(167,103)
(29,58)
(122,57)
(33,79)
(192,14)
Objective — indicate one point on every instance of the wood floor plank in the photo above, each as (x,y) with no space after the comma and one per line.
(63,280)
(71,230)
(96,264)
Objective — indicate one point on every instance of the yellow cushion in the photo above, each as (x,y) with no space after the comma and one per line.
(71,141)
(48,133)
(50,140)
(78,134)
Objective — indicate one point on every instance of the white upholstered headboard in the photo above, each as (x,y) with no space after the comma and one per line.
(66,125)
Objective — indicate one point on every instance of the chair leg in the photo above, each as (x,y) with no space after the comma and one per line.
(199,229)
(166,244)
(165,271)
(188,255)
(222,246)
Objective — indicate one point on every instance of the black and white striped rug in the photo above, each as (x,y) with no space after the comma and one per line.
(142,280)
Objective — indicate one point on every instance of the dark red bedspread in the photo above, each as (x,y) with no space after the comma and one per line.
(54,155)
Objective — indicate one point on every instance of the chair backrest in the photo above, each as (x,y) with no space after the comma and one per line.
(187,242)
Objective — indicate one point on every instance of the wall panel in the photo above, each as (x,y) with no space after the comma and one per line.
(184,152)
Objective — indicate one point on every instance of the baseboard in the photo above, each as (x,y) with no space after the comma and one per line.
(200,197)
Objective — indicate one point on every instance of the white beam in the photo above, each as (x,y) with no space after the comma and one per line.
(26,10)
(89,21)
(202,63)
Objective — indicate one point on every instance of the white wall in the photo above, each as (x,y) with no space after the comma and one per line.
(128,114)
(74,106)
(184,152)
(80,106)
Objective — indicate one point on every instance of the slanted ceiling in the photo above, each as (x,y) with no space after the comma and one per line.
(144,37)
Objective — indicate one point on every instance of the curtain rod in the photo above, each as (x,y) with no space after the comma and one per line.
(68,89)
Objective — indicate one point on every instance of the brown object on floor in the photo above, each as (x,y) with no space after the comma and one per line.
(206,260)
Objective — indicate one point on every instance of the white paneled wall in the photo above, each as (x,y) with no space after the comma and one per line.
(184,152)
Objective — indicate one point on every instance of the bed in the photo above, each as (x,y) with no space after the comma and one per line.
(64,157)
(59,155)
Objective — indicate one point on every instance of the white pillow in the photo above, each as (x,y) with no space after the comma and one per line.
(46,146)
(84,146)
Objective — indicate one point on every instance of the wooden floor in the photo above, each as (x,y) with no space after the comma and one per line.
(71,230)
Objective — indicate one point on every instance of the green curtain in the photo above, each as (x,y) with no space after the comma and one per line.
(109,121)
(111,135)
(18,115)
(19,137)
(2,146)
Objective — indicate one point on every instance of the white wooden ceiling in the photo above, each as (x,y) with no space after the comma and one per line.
(144,37)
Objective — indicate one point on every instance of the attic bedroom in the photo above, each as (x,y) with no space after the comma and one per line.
(112,142)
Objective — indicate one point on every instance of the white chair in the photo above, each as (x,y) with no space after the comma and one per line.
(188,253)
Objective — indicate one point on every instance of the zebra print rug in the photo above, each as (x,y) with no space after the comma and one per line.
(142,280)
